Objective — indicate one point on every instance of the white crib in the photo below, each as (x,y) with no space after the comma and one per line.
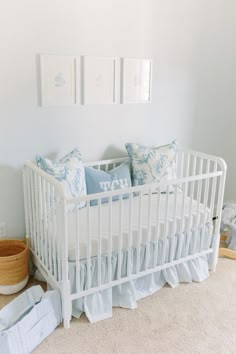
(58,237)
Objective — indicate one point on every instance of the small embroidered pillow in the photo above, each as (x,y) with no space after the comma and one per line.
(69,170)
(98,181)
(152,165)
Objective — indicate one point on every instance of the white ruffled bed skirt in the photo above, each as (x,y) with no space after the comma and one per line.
(98,306)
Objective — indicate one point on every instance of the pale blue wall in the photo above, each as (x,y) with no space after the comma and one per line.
(171,32)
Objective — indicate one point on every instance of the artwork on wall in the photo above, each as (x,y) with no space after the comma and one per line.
(136,80)
(57,80)
(99,80)
(71,80)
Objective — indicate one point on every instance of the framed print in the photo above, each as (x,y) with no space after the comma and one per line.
(99,80)
(136,80)
(58,80)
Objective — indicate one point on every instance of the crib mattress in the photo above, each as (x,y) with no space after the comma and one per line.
(125,236)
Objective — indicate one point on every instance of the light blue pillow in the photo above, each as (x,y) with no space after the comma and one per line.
(69,170)
(152,165)
(98,181)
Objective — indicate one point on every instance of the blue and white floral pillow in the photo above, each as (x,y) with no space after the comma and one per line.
(69,170)
(152,165)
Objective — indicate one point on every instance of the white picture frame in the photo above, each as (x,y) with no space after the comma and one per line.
(136,80)
(99,80)
(58,80)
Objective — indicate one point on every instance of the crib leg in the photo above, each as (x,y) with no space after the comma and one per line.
(213,268)
(214,261)
(66,312)
(215,254)
(49,287)
(66,304)
(66,324)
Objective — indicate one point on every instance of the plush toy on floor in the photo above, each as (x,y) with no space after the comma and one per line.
(228,230)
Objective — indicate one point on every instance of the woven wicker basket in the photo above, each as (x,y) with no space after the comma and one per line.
(14,266)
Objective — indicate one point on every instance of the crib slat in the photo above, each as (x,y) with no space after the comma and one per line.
(182,165)
(99,244)
(50,225)
(63,236)
(157,233)
(48,233)
(148,230)
(205,200)
(42,222)
(187,165)
(77,263)
(197,218)
(88,248)
(194,165)
(189,222)
(47,220)
(182,223)
(182,220)
(30,207)
(33,212)
(47,236)
(39,216)
(139,233)
(212,203)
(120,238)
(58,244)
(110,242)
(213,192)
(63,247)
(51,208)
(174,225)
(165,224)
(26,202)
(130,233)
(34,202)
(43,240)
(193,186)
(37,213)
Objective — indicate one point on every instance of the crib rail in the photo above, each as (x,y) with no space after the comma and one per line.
(140,232)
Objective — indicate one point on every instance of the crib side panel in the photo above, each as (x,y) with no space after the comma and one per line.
(147,228)
(43,200)
(210,190)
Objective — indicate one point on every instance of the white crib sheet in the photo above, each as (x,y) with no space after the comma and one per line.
(123,235)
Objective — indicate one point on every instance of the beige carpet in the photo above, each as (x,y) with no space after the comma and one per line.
(193,318)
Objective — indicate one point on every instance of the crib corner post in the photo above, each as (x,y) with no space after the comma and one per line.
(64,265)
(215,254)
(66,303)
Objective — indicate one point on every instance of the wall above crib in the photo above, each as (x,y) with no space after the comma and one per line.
(175,34)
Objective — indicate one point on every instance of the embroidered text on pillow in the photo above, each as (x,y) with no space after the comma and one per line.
(115,184)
